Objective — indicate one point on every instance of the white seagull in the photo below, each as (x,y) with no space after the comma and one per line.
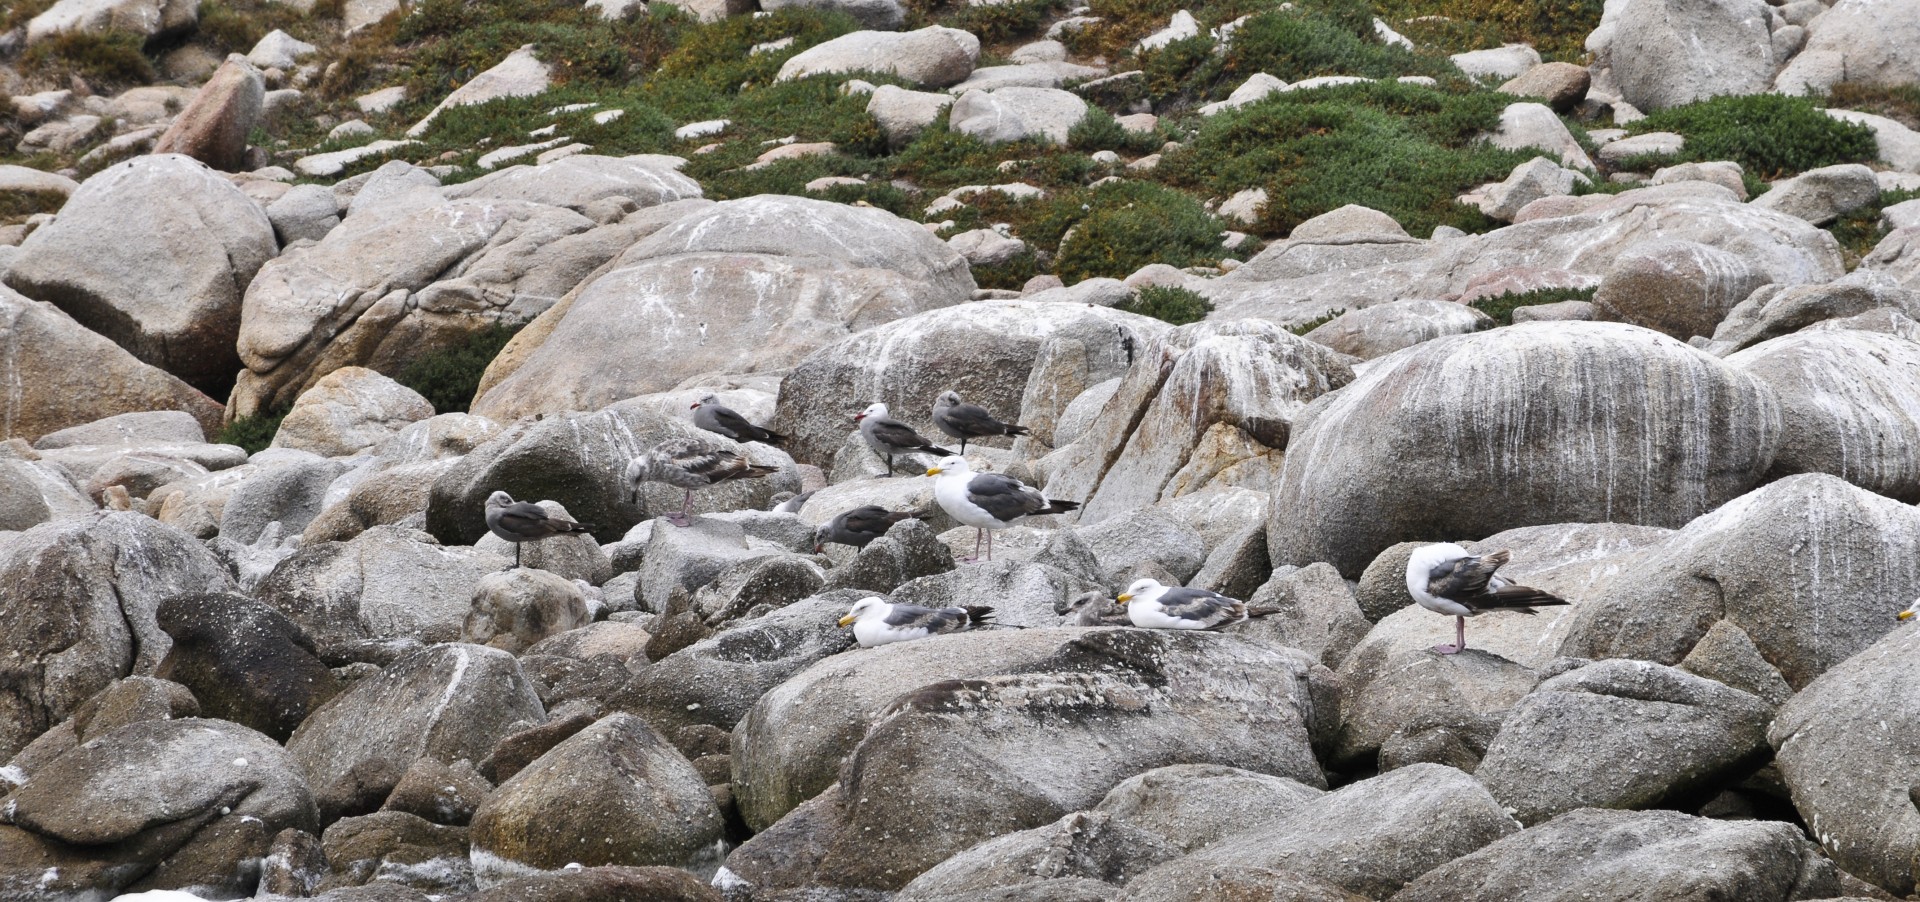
(987,501)
(1447,579)
(524,521)
(888,436)
(876,622)
(689,464)
(1154,606)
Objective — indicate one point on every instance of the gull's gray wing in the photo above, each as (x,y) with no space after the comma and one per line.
(895,434)
(868,522)
(933,620)
(526,520)
(1005,497)
(1461,579)
(969,420)
(1210,608)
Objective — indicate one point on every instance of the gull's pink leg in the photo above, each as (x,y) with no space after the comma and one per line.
(686,509)
(989,546)
(1459,637)
(976,547)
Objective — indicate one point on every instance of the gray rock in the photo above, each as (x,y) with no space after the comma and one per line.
(159,804)
(1535,126)
(1897,257)
(688,558)
(304,213)
(654,884)
(1023,593)
(1002,115)
(442,793)
(136,428)
(1726,654)
(988,757)
(1776,310)
(1369,839)
(1870,40)
(577,182)
(387,582)
(153,253)
(1822,195)
(244,661)
(1666,54)
(994,353)
(1832,728)
(1046,74)
(446,702)
(33,492)
(1562,85)
(1622,734)
(394,849)
(279,50)
(757,584)
(1805,566)
(521,73)
(719,268)
(717,680)
(84,594)
(614,793)
(1308,608)
(908,551)
(1091,845)
(146,19)
(1356,478)
(904,114)
(1380,330)
(1626,151)
(1681,288)
(290,495)
(1499,62)
(1122,544)
(1192,806)
(1215,408)
(1635,855)
(517,608)
(214,128)
(131,700)
(932,57)
(1725,173)
(1851,401)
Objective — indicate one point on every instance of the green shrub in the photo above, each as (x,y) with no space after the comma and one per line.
(1334,38)
(1556,28)
(1501,308)
(1770,135)
(1317,322)
(474,130)
(252,433)
(1127,225)
(720,54)
(1859,231)
(1900,103)
(1402,149)
(104,58)
(1178,306)
(1012,274)
(992,23)
(448,378)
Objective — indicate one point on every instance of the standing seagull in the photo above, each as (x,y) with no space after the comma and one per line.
(1446,579)
(888,436)
(875,622)
(964,421)
(713,416)
(858,527)
(524,521)
(988,500)
(689,464)
(1154,606)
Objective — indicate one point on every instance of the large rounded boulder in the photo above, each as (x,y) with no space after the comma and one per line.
(1463,437)
(1851,401)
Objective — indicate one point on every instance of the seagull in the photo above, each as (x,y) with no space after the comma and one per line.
(875,622)
(689,464)
(859,526)
(988,500)
(1447,579)
(524,521)
(791,503)
(1154,606)
(964,421)
(888,436)
(1092,609)
(711,415)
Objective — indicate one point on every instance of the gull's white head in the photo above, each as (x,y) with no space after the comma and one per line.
(876,409)
(820,535)
(499,499)
(1145,588)
(871,606)
(705,400)
(952,463)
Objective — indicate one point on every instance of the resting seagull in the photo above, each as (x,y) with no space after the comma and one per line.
(1447,579)
(524,521)
(888,436)
(875,622)
(713,416)
(965,421)
(987,501)
(1154,606)
(689,464)
(1093,609)
(858,527)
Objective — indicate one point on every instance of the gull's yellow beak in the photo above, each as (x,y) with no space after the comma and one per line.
(847,620)
(1904,615)
(1124,599)
(933,471)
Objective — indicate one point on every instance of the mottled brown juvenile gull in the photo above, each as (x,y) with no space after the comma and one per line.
(858,527)
(689,464)
(888,436)
(987,501)
(713,416)
(968,421)
(875,622)
(1447,579)
(1093,609)
(1154,606)
(523,521)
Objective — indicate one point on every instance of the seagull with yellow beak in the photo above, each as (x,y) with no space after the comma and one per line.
(1154,606)
(877,622)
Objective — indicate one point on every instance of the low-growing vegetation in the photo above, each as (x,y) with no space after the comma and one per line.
(1860,230)
(1501,308)
(1178,306)
(448,378)
(252,433)
(1769,135)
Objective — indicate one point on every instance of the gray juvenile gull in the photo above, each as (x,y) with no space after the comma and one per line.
(713,416)
(859,526)
(987,501)
(1154,606)
(967,421)
(888,436)
(1447,579)
(524,521)
(689,464)
(875,622)
(1093,609)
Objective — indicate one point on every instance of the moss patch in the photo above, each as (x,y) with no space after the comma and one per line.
(449,377)
(1501,308)
(253,433)
(1178,306)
